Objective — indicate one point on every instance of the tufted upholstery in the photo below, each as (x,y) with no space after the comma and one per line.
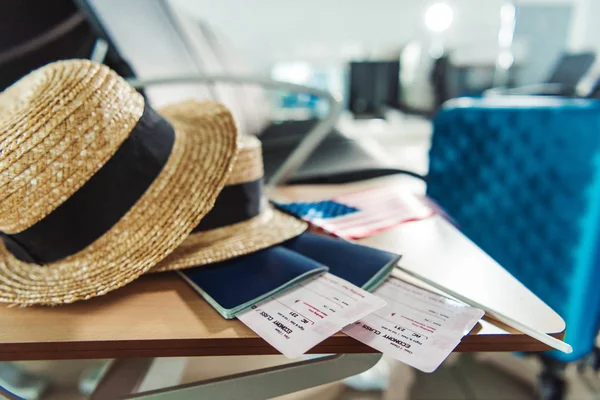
(521,176)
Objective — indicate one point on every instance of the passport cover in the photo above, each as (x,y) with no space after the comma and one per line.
(234,285)
(362,266)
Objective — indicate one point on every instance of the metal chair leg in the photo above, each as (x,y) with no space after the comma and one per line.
(596,359)
(16,383)
(551,382)
(259,384)
(122,377)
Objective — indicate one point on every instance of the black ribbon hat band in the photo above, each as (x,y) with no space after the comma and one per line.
(236,203)
(103,200)
(114,189)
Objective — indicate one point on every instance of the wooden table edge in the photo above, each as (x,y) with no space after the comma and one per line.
(339,344)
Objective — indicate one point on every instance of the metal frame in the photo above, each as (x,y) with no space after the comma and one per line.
(304,149)
(5,394)
(125,377)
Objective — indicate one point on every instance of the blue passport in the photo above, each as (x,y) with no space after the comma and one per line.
(362,266)
(234,285)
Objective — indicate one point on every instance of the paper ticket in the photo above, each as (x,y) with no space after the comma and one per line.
(298,319)
(416,327)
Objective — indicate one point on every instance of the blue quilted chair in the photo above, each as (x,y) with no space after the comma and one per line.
(521,177)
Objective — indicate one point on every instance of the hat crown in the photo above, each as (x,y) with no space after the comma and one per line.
(248,165)
(58,126)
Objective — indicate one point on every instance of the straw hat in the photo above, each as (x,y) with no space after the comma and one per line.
(96,188)
(242,220)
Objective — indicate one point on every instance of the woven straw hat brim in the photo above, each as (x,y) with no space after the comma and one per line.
(268,229)
(183,192)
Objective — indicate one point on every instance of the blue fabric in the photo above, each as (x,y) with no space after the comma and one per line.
(357,264)
(318,209)
(522,179)
(243,279)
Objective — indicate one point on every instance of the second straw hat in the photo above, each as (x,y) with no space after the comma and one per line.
(96,188)
(242,220)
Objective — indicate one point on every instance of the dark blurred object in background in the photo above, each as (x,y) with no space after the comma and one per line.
(568,71)
(34,33)
(570,68)
(373,86)
(439,79)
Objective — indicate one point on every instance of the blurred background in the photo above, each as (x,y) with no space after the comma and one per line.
(484,40)
(481,44)
(395,66)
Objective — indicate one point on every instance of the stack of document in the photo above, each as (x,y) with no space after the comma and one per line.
(298,294)
(362,266)
(234,285)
